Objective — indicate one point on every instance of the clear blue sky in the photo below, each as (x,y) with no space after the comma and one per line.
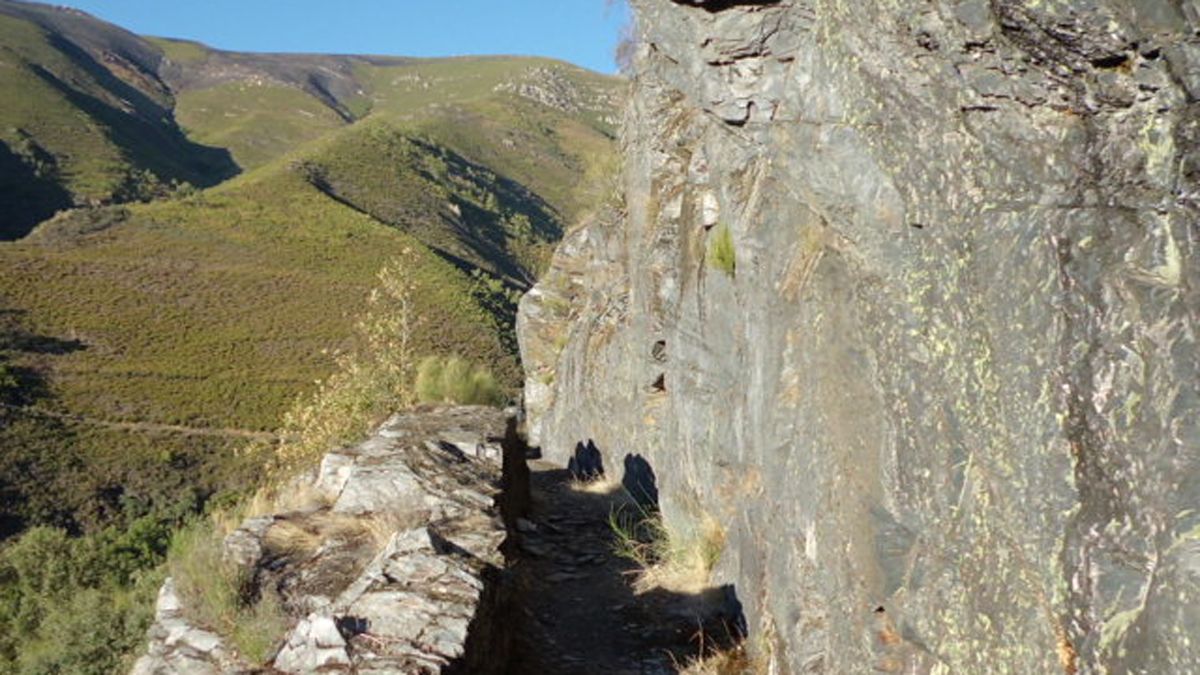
(580,31)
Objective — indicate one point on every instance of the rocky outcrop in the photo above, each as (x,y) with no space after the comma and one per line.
(905,294)
(399,572)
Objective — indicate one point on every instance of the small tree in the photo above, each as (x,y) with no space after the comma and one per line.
(369,382)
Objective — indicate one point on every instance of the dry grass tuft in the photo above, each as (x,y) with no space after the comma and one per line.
(604,485)
(680,564)
(302,535)
(735,661)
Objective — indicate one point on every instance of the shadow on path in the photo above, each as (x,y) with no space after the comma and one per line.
(579,614)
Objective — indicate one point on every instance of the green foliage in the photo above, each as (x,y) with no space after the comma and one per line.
(454,380)
(79,604)
(221,597)
(257,122)
(721,253)
(9,383)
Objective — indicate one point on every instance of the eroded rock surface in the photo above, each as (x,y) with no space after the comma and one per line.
(403,573)
(945,395)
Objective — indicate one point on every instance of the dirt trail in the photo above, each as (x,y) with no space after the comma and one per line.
(147,427)
(579,614)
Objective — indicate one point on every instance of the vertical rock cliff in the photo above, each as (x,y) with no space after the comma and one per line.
(905,295)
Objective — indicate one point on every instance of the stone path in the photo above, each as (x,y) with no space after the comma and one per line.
(579,614)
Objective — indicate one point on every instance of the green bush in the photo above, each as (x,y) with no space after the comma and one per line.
(453,380)
(221,597)
(721,253)
(79,604)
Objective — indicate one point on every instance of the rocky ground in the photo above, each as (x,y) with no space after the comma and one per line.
(396,568)
(579,614)
(431,548)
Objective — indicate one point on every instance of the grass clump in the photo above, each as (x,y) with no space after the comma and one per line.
(721,253)
(220,597)
(733,661)
(454,380)
(681,563)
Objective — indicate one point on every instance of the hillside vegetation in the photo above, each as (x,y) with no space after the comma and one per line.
(222,223)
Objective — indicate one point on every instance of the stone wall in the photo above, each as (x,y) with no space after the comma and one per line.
(404,572)
(945,395)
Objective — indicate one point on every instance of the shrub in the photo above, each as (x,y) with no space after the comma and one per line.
(453,380)
(721,253)
(78,605)
(220,596)
(369,383)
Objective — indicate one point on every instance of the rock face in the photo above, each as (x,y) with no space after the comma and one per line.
(403,573)
(906,295)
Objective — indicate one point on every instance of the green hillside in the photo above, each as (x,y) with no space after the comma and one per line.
(212,311)
(222,221)
(91,129)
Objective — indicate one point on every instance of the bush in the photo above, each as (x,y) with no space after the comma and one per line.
(370,382)
(78,604)
(453,380)
(220,597)
(721,253)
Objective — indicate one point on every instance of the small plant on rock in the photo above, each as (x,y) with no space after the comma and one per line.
(217,593)
(721,253)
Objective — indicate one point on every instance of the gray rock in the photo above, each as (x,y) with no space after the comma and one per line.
(179,648)
(391,578)
(954,374)
(314,645)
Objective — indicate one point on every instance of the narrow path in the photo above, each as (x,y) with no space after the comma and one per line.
(148,427)
(580,615)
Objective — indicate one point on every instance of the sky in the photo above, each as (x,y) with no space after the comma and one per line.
(583,32)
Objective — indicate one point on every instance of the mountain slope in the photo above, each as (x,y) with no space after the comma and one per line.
(91,122)
(212,311)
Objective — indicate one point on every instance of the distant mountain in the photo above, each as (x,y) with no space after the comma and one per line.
(99,115)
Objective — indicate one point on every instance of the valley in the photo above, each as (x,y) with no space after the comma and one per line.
(191,240)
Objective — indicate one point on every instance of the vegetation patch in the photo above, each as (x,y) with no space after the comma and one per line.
(734,661)
(222,597)
(454,380)
(80,604)
(680,563)
(721,252)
